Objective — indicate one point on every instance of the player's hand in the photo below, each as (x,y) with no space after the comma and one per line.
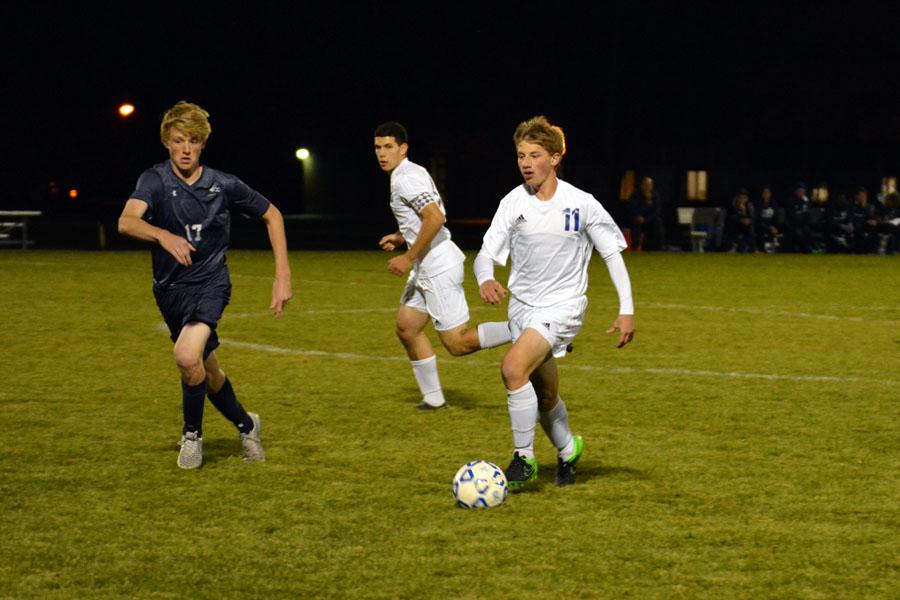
(391,242)
(624,324)
(178,247)
(492,292)
(400,265)
(281,294)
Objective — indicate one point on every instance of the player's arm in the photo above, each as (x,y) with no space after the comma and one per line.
(432,221)
(281,287)
(133,225)
(489,288)
(391,241)
(624,323)
(494,250)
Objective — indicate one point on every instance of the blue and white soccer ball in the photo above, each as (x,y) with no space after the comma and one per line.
(480,484)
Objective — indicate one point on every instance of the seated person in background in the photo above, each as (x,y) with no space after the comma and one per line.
(646,218)
(864,217)
(796,230)
(767,227)
(840,229)
(889,224)
(740,224)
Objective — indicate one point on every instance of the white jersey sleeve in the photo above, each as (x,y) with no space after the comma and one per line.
(412,189)
(605,235)
(416,189)
(497,239)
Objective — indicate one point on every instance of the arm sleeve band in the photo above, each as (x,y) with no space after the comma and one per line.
(619,275)
(484,267)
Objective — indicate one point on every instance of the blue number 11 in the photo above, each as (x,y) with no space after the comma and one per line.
(571,213)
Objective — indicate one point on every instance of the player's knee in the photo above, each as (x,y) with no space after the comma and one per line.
(456,345)
(405,332)
(189,364)
(514,374)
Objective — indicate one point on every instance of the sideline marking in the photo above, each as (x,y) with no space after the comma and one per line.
(615,370)
(770,312)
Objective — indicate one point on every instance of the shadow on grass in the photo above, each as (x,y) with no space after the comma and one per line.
(589,471)
(455,400)
(214,450)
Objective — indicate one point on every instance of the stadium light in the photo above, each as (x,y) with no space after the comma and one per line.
(302,154)
(73,193)
(126,109)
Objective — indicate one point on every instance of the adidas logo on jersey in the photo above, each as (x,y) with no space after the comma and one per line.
(215,189)
(520,220)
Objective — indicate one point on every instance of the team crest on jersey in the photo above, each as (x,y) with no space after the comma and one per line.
(174,192)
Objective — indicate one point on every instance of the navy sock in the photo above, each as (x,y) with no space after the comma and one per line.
(228,405)
(192,399)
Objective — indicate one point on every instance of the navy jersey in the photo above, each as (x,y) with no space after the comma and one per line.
(201,213)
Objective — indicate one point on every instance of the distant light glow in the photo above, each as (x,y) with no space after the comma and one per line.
(302,154)
(73,193)
(126,109)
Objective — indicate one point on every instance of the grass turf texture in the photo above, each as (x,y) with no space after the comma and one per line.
(744,446)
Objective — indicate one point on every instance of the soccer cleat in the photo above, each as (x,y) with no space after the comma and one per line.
(253,450)
(565,469)
(521,470)
(191,454)
(426,406)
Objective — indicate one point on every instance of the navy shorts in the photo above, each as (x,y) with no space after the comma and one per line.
(203,303)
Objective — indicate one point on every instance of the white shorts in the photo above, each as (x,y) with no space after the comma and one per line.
(558,324)
(441,296)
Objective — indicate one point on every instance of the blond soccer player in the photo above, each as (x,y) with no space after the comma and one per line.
(548,230)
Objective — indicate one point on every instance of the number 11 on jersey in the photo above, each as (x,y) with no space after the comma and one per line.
(571,215)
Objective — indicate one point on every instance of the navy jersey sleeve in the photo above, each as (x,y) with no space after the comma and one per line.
(149,188)
(245,200)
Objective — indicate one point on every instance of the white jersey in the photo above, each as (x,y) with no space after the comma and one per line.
(550,242)
(411,190)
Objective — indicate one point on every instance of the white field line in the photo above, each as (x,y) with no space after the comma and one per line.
(650,305)
(766,311)
(468,362)
(770,312)
(330,311)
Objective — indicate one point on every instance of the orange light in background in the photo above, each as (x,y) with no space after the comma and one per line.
(126,110)
(73,193)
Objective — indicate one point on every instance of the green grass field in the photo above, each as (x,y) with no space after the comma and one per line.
(746,445)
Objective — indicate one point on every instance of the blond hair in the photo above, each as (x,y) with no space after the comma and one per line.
(188,118)
(538,130)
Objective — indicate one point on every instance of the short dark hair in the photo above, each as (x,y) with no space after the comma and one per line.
(394,129)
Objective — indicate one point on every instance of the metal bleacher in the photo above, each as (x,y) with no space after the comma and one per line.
(14,227)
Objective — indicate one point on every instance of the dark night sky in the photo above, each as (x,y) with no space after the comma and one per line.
(807,89)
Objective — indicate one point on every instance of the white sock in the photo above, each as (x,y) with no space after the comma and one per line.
(493,334)
(555,423)
(523,409)
(426,374)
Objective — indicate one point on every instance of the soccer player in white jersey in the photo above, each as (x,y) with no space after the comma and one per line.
(548,228)
(435,265)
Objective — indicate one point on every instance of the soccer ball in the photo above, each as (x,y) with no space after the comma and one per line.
(480,484)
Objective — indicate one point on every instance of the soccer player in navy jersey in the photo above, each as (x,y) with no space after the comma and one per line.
(185,209)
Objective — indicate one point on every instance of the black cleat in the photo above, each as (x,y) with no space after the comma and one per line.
(570,347)
(521,470)
(565,470)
